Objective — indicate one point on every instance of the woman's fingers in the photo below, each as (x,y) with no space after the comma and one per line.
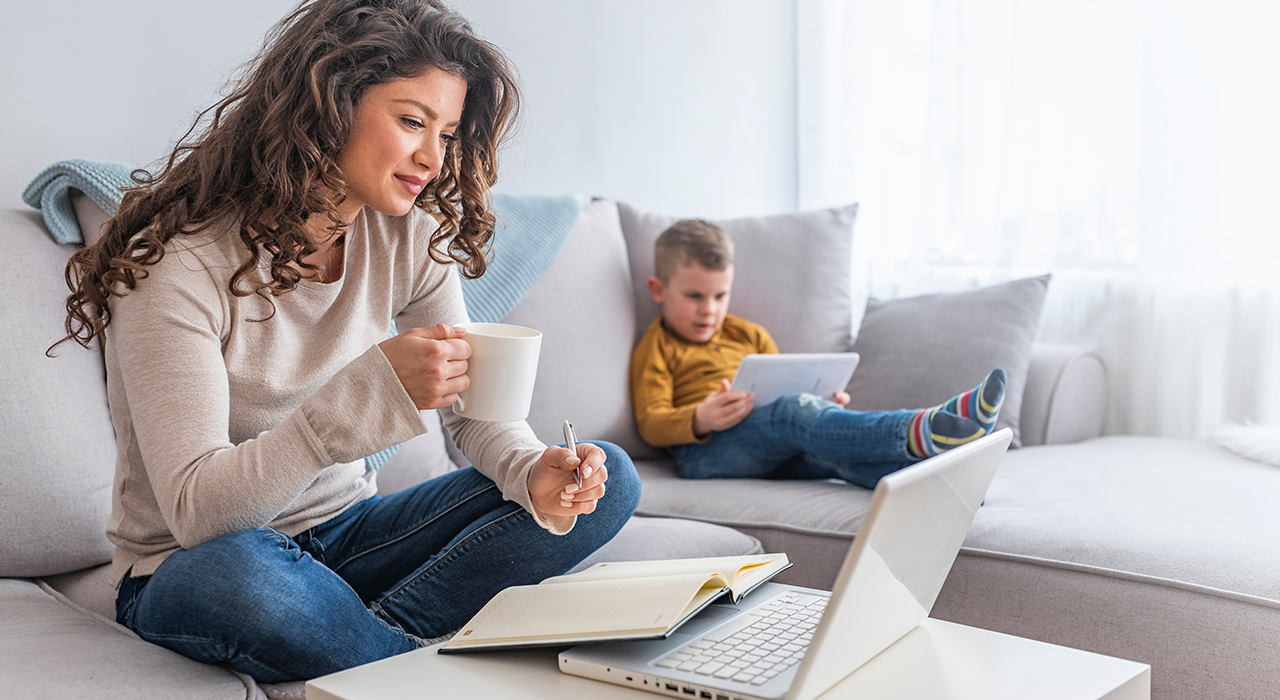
(431,363)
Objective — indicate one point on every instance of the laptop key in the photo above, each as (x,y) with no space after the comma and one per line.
(708,668)
(688,666)
(723,633)
(725,672)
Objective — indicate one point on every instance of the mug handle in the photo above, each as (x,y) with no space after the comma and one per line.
(459,405)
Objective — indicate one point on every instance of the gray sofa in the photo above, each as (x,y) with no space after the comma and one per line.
(1153,550)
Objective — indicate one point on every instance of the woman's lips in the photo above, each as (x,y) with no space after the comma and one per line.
(413,184)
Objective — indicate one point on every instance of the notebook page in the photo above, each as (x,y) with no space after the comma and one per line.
(582,609)
(726,567)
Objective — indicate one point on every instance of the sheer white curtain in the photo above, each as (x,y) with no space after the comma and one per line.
(1131,147)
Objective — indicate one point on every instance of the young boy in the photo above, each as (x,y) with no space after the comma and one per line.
(680,374)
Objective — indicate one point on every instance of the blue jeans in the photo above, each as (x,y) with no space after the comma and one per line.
(370,583)
(801,436)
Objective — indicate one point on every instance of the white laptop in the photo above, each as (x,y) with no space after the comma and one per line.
(799,642)
(773,375)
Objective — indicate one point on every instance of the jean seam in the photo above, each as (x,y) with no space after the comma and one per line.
(126,615)
(375,546)
(385,618)
(453,553)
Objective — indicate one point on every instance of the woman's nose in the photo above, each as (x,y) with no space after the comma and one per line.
(430,155)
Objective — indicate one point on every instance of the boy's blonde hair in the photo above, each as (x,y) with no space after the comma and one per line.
(691,241)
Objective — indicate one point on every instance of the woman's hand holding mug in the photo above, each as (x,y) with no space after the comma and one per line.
(431,363)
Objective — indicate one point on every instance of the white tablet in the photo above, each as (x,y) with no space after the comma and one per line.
(774,375)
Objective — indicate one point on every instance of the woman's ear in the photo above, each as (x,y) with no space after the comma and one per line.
(656,289)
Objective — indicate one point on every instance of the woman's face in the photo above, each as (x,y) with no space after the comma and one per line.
(398,140)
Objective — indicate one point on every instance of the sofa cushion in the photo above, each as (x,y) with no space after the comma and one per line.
(89,588)
(1161,551)
(792,273)
(49,649)
(583,306)
(1186,513)
(920,351)
(645,539)
(812,521)
(89,216)
(56,495)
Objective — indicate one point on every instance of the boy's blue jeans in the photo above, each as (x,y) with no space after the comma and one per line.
(370,583)
(802,436)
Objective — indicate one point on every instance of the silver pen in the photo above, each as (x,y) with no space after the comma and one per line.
(572,444)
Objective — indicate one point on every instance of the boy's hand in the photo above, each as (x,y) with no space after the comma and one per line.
(722,410)
(841,398)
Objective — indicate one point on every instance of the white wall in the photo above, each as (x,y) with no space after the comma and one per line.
(681,106)
(113,81)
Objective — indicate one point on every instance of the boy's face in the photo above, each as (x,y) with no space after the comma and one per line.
(694,300)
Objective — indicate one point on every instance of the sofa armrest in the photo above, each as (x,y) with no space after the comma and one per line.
(1065,399)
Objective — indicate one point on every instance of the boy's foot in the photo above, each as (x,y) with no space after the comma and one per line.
(964,418)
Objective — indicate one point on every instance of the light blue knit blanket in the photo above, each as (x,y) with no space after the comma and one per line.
(529,233)
(50,192)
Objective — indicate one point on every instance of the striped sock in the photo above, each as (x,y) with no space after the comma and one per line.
(964,418)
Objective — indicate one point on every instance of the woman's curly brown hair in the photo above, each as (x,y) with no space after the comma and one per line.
(267,158)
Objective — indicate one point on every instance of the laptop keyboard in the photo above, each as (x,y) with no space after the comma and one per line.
(755,649)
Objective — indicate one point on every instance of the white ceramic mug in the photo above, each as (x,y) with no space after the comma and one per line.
(502,367)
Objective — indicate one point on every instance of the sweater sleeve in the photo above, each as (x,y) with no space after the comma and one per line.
(165,341)
(660,421)
(504,452)
(764,341)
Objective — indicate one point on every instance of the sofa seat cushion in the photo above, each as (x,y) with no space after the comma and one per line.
(644,539)
(812,521)
(49,649)
(1155,550)
(1186,514)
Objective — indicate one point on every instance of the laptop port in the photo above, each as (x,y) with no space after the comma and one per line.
(691,691)
(721,696)
(705,695)
(673,687)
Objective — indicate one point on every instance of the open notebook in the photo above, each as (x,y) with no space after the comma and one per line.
(611,602)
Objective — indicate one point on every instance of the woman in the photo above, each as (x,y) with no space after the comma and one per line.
(244,296)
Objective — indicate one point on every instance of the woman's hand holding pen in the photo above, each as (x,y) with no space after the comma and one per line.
(431,363)
(551,485)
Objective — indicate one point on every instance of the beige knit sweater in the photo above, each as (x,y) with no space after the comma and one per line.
(226,421)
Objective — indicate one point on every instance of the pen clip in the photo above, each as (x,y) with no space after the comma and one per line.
(571,442)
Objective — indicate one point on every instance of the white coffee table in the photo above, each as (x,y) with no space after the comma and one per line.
(938,660)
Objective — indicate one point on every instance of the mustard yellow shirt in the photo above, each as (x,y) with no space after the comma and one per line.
(670,376)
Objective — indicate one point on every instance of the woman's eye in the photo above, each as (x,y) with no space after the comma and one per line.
(411,123)
(449,138)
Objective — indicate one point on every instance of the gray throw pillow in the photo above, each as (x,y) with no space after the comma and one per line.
(793,273)
(920,351)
